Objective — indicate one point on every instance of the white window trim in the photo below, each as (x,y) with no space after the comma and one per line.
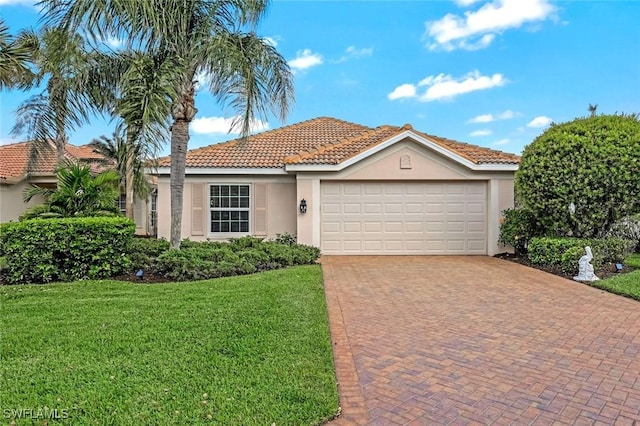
(227,235)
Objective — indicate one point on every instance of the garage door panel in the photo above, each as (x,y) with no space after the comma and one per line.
(352,208)
(393,226)
(475,208)
(372,208)
(393,208)
(434,208)
(354,227)
(330,208)
(372,189)
(330,227)
(479,227)
(403,217)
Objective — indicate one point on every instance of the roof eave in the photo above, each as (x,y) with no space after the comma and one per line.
(221,171)
(293,167)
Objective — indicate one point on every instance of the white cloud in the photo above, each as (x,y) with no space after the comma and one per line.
(500,142)
(481,132)
(477,29)
(305,59)
(465,3)
(273,41)
(540,121)
(488,118)
(221,125)
(403,91)
(483,118)
(352,52)
(506,115)
(18,2)
(444,86)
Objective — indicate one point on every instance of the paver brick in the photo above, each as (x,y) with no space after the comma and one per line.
(478,340)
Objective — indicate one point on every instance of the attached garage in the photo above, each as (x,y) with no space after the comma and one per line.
(396,218)
(348,189)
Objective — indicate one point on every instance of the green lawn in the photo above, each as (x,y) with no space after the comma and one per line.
(243,350)
(626,284)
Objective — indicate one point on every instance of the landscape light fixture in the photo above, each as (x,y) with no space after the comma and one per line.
(303,206)
(618,267)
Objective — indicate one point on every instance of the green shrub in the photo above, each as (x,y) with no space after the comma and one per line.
(565,252)
(579,178)
(305,255)
(570,258)
(145,251)
(286,238)
(212,259)
(548,250)
(517,229)
(245,242)
(40,251)
(258,258)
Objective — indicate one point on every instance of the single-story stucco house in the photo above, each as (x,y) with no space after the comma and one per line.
(346,188)
(15,178)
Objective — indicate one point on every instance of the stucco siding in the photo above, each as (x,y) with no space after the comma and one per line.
(280,209)
(11,201)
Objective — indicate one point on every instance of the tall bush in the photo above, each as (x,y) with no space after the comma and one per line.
(517,228)
(40,251)
(580,177)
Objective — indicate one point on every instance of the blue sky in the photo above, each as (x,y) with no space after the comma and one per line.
(492,73)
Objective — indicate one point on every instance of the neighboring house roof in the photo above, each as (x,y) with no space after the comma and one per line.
(321,141)
(14,160)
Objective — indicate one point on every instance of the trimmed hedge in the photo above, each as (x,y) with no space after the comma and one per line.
(41,251)
(240,256)
(144,252)
(579,178)
(566,252)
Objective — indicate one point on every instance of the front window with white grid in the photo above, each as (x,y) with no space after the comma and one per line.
(229,208)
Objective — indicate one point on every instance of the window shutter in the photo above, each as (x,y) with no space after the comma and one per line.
(137,213)
(198,211)
(260,209)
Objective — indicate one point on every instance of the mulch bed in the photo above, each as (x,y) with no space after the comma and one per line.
(607,270)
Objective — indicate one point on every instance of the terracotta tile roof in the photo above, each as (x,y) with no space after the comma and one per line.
(14,159)
(322,140)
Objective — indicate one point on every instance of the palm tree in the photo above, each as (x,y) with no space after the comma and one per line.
(115,151)
(15,60)
(60,59)
(136,87)
(79,193)
(213,37)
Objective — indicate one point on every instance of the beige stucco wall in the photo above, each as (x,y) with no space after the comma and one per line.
(424,164)
(281,204)
(12,205)
(11,201)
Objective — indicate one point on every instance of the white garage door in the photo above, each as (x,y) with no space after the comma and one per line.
(404,218)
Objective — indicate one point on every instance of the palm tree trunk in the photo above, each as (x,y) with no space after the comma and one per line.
(128,177)
(58,98)
(179,141)
(183,112)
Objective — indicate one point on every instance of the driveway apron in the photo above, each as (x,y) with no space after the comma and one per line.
(477,340)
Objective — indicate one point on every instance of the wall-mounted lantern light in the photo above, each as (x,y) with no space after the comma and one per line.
(303,206)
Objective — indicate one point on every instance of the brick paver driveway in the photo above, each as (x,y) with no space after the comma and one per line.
(463,340)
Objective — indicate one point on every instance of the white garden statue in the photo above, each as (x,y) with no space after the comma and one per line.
(585,269)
